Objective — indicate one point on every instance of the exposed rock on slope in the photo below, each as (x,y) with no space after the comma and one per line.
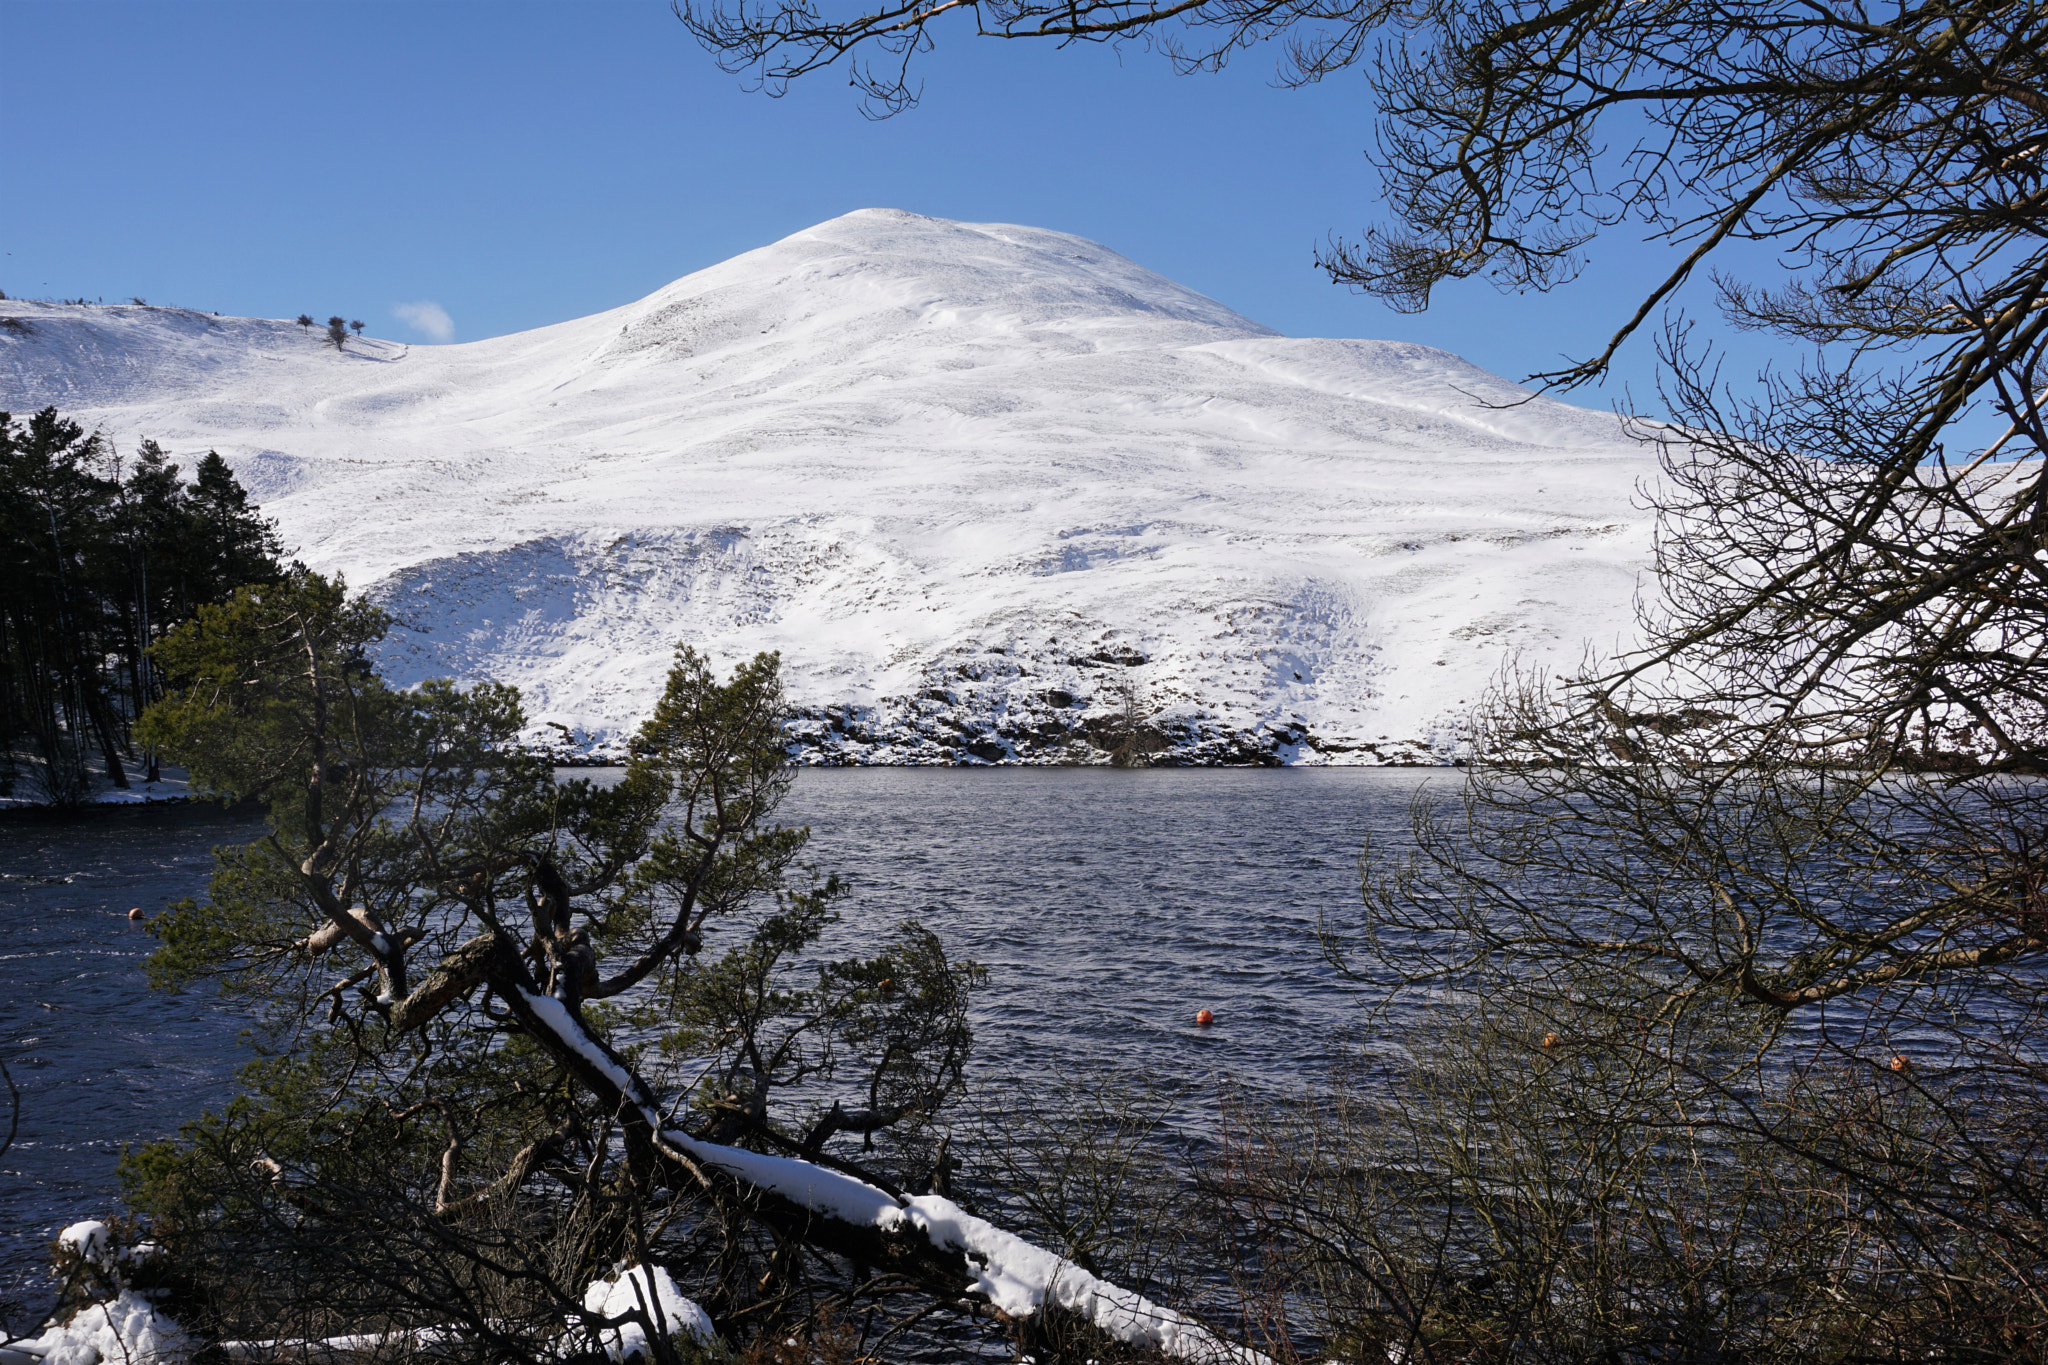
(997,494)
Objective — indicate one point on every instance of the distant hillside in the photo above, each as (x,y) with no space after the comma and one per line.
(989,489)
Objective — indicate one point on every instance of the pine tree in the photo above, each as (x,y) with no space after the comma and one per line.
(156,518)
(93,569)
(506,926)
(337,332)
(230,544)
(56,509)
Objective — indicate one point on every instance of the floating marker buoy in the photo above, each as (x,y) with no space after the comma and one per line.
(1550,1040)
(1204,1018)
(135,913)
(1900,1063)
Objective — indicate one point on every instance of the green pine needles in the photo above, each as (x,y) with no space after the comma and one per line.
(491,999)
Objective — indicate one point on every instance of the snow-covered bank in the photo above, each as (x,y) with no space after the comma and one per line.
(171,789)
(128,1328)
(125,1328)
(975,481)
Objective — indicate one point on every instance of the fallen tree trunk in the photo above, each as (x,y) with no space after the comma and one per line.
(927,1238)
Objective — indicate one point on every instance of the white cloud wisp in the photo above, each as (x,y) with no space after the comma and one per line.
(429,319)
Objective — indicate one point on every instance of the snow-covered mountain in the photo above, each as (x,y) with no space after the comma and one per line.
(974,481)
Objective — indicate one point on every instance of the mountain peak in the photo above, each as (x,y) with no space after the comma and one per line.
(886,278)
(976,481)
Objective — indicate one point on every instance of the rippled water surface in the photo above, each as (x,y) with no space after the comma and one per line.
(1108,906)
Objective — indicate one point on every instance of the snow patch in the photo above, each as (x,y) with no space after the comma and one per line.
(128,1330)
(88,1239)
(649,1290)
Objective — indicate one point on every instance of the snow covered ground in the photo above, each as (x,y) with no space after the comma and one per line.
(171,788)
(970,479)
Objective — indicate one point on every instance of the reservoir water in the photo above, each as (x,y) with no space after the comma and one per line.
(1108,906)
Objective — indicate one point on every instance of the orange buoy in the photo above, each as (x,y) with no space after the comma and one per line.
(135,913)
(1550,1040)
(1901,1063)
(1204,1018)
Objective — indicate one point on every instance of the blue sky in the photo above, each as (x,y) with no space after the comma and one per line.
(523,163)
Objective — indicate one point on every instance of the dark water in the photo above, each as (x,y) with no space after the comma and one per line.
(100,1059)
(1107,905)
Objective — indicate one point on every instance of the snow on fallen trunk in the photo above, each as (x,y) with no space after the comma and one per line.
(1017,1277)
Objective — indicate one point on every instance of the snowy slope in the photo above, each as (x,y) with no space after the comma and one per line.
(970,479)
